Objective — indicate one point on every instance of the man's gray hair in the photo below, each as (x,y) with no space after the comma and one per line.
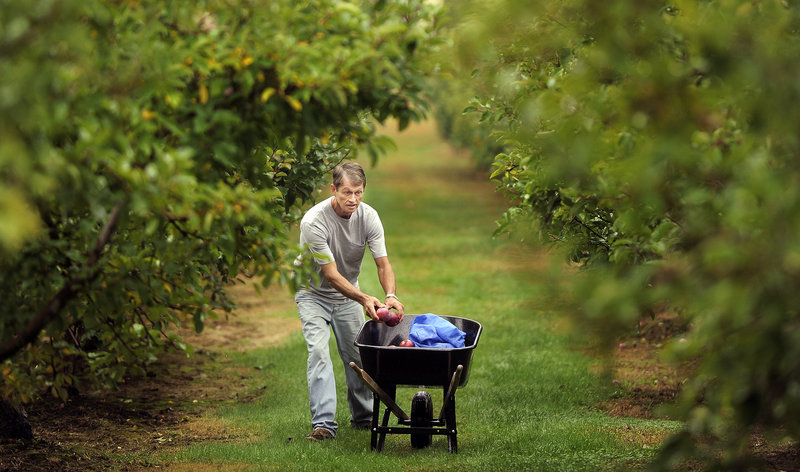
(353,171)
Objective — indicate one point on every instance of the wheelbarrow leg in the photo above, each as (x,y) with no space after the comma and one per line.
(376,411)
(386,396)
(452,431)
(449,410)
(384,426)
(379,429)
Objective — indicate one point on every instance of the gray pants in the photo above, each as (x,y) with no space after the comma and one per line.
(318,317)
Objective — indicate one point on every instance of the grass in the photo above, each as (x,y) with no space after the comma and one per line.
(530,403)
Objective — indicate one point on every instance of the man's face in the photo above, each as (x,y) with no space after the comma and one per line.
(347,197)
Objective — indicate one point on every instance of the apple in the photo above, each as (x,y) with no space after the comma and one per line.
(388,316)
(394,319)
(406,343)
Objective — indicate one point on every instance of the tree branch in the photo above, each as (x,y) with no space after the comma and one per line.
(604,241)
(65,295)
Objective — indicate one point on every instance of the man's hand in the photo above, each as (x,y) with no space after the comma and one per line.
(370,304)
(392,302)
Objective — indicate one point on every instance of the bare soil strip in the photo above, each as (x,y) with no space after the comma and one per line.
(170,408)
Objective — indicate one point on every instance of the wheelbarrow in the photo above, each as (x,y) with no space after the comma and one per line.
(385,367)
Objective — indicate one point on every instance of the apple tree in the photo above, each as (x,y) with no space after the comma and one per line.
(656,143)
(152,153)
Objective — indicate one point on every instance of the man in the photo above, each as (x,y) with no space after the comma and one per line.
(336,232)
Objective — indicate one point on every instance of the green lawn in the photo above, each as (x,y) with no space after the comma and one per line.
(530,403)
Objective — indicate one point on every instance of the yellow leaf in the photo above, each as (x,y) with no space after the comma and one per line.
(203,95)
(744,10)
(246,61)
(148,115)
(266,94)
(294,103)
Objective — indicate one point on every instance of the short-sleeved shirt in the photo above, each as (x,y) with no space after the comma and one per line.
(332,238)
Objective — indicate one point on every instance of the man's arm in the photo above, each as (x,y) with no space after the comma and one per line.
(349,290)
(386,277)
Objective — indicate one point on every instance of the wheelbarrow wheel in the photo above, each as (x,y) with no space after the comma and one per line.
(422,416)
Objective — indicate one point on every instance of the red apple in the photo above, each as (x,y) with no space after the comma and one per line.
(387,316)
(406,343)
(383,314)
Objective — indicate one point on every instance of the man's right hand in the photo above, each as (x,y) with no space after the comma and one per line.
(371,304)
(341,284)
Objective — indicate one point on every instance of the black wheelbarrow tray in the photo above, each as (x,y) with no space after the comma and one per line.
(385,367)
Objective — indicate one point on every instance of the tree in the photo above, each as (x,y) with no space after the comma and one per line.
(653,143)
(152,152)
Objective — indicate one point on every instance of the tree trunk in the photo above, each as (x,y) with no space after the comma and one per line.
(14,422)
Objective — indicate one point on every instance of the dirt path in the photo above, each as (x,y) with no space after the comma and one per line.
(254,324)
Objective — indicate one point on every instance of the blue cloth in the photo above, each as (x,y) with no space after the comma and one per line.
(430,330)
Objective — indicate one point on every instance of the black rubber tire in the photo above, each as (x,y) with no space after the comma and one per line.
(421,415)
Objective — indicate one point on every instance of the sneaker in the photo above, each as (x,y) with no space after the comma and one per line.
(320,434)
(366,425)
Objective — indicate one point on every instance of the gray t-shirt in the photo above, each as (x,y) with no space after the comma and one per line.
(333,238)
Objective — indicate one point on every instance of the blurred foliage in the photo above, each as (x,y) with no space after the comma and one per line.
(657,143)
(454,87)
(153,152)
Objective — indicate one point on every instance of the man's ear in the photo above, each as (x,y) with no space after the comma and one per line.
(333,188)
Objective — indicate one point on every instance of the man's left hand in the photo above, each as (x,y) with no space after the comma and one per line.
(392,302)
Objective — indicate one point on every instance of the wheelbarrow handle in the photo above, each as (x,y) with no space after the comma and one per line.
(451,390)
(385,398)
